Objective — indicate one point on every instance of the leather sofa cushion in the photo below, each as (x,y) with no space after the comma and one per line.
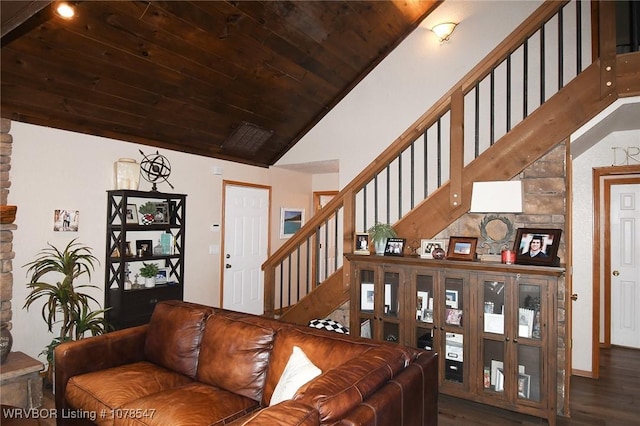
(290,413)
(234,355)
(192,404)
(173,337)
(339,390)
(325,349)
(104,390)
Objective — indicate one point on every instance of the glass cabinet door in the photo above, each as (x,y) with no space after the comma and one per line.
(529,342)
(492,303)
(424,311)
(453,303)
(367,293)
(390,307)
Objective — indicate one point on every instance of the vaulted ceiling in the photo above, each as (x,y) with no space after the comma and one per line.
(236,80)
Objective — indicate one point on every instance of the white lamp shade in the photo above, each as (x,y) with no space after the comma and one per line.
(497,197)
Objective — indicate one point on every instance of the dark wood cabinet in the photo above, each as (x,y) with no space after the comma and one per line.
(160,242)
(493,325)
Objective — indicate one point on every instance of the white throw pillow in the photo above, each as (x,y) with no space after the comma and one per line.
(298,371)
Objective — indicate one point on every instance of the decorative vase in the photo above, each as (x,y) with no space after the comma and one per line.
(380,245)
(150,282)
(438,253)
(127,173)
(6,341)
(147,219)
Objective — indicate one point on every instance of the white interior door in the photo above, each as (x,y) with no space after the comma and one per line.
(625,265)
(246,244)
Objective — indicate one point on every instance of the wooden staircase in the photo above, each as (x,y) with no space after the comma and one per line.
(607,78)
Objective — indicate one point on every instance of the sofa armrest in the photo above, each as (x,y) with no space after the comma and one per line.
(288,412)
(410,398)
(96,353)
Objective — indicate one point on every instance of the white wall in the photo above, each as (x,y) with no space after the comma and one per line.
(600,155)
(53,169)
(403,86)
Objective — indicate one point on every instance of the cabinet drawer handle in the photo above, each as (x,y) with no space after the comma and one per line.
(506,339)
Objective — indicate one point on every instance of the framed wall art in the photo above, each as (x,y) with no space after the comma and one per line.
(291,219)
(132,214)
(537,246)
(462,248)
(427,247)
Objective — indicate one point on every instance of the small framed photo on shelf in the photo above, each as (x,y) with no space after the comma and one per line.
(162,277)
(462,248)
(144,248)
(427,247)
(454,316)
(394,247)
(162,213)
(451,298)
(132,214)
(537,246)
(524,385)
(367,296)
(361,243)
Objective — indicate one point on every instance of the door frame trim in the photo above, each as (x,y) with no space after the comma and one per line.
(603,178)
(226,183)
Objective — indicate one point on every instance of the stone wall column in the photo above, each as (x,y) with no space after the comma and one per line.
(6,230)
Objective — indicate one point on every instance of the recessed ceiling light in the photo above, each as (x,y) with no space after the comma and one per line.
(65,10)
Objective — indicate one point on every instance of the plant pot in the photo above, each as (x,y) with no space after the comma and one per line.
(147,219)
(6,341)
(150,282)
(380,245)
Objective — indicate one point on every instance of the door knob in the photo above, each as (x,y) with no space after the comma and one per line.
(616,273)
(227,266)
(574,297)
(228,256)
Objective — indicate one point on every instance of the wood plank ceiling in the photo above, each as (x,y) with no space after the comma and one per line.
(236,80)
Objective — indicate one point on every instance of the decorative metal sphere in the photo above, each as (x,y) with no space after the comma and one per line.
(155,168)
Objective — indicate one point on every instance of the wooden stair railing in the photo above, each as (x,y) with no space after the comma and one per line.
(551,123)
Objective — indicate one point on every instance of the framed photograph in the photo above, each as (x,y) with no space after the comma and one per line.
(427,247)
(291,220)
(144,248)
(65,220)
(394,247)
(462,248)
(367,296)
(454,316)
(499,385)
(537,246)
(524,385)
(451,298)
(163,276)
(361,243)
(162,213)
(132,214)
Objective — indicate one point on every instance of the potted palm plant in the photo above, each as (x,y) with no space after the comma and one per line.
(149,272)
(65,304)
(379,232)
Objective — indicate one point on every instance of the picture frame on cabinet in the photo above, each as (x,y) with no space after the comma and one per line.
(162,213)
(361,243)
(524,386)
(427,247)
(394,247)
(454,316)
(144,248)
(499,385)
(451,298)
(162,277)
(462,248)
(132,214)
(367,296)
(537,246)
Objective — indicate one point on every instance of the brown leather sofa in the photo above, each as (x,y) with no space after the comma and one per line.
(197,365)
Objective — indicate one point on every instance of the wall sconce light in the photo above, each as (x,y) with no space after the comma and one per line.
(64,9)
(496,197)
(444,30)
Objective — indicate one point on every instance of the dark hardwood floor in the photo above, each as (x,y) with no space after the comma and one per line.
(611,400)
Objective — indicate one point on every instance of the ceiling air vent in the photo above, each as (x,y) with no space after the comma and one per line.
(247,138)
